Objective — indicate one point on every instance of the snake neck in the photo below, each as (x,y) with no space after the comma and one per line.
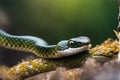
(46,51)
(50,50)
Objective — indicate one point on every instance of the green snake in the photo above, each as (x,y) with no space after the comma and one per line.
(41,48)
(64,53)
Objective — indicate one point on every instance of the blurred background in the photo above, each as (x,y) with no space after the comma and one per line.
(55,20)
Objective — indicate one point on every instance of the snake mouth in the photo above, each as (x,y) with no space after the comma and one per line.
(73,51)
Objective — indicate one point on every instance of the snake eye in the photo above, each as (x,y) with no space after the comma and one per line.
(74,44)
(71,43)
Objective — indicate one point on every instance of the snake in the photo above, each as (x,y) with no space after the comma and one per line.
(64,53)
(40,47)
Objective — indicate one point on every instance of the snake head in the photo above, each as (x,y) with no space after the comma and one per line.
(74,46)
(78,42)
